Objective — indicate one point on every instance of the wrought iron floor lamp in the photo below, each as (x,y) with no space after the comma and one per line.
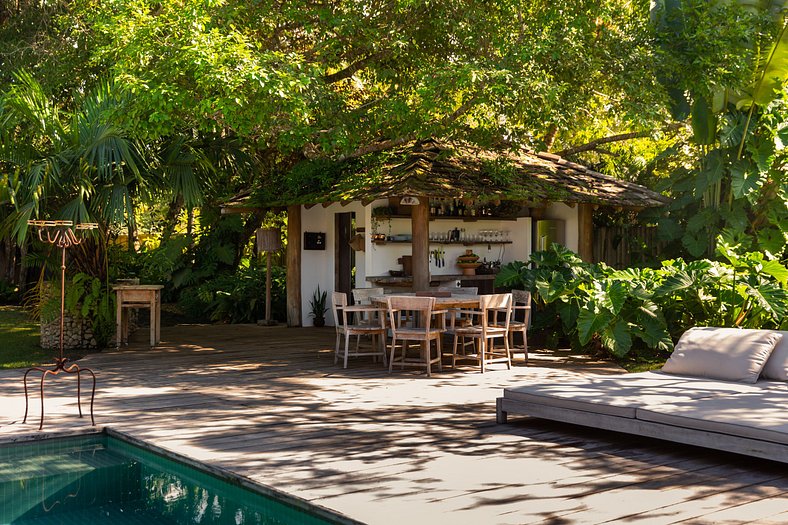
(64,235)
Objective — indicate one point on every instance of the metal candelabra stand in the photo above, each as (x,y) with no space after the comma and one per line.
(64,235)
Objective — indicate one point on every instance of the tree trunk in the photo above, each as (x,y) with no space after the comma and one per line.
(550,136)
(171,219)
(190,221)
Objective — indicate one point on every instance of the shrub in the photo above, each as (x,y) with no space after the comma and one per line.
(236,298)
(618,310)
(86,297)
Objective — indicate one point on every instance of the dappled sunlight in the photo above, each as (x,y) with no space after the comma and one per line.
(383,448)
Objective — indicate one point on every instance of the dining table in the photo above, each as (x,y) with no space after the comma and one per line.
(451,302)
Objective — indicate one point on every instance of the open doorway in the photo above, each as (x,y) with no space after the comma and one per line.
(344,256)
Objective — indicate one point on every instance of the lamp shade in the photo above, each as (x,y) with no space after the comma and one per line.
(268,239)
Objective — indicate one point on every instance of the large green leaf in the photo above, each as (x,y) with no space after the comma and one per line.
(615,296)
(744,182)
(776,270)
(568,311)
(552,289)
(651,327)
(704,122)
(774,71)
(762,152)
(696,244)
(590,322)
(510,275)
(676,282)
(772,239)
(617,337)
(771,298)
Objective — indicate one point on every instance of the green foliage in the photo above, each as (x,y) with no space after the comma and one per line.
(86,298)
(9,293)
(236,298)
(722,59)
(622,310)
(78,165)
(741,196)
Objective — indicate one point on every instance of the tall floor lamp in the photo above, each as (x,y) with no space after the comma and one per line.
(64,235)
(268,240)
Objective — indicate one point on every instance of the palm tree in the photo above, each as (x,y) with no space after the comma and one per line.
(76,164)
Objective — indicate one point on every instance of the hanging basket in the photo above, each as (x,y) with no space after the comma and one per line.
(357,243)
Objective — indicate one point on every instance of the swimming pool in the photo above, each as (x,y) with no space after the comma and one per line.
(103,479)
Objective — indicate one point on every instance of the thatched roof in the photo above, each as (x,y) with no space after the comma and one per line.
(434,168)
(444,169)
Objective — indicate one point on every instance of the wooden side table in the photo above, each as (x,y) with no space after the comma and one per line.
(138,296)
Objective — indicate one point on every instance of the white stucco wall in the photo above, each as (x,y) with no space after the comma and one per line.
(317,266)
(559,210)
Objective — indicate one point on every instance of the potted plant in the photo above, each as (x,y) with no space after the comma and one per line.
(318,307)
(468,262)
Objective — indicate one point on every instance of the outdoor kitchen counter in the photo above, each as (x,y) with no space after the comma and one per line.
(401,283)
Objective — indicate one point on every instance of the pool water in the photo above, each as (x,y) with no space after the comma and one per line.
(101,479)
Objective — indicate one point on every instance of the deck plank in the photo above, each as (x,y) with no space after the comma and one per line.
(270,404)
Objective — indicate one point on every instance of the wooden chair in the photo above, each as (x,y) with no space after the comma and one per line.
(460,290)
(457,319)
(489,327)
(363,296)
(377,332)
(521,303)
(422,331)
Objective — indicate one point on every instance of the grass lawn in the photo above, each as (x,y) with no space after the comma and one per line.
(19,340)
(642,361)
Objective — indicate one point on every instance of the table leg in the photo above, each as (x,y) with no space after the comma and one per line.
(124,325)
(158,317)
(118,319)
(153,323)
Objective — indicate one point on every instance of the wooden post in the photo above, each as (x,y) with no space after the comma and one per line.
(420,228)
(294,266)
(585,232)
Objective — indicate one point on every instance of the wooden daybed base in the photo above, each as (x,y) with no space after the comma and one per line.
(732,417)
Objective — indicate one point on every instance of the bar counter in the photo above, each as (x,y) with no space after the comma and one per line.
(483,282)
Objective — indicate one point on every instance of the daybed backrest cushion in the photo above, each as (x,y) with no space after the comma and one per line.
(728,354)
(776,366)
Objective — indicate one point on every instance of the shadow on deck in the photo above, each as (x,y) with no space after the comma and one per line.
(269,403)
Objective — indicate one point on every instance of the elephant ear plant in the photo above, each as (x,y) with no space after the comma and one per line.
(618,310)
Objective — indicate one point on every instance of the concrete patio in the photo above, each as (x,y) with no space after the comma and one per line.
(268,403)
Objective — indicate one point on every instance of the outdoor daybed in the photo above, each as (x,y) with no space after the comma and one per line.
(722,388)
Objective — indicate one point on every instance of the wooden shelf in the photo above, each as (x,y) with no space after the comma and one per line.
(462,218)
(460,243)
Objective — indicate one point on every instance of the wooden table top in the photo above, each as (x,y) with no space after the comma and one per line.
(455,301)
(138,287)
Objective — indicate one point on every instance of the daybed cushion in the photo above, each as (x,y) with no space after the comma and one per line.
(621,395)
(728,354)
(757,415)
(776,366)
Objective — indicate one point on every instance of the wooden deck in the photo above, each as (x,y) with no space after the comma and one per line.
(268,403)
